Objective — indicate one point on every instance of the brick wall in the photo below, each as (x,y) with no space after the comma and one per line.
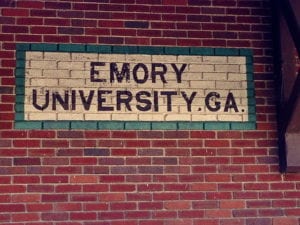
(143,177)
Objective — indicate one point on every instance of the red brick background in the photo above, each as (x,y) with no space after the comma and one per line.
(60,177)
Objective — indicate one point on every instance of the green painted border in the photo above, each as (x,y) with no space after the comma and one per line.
(20,123)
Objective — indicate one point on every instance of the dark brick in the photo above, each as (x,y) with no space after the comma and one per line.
(71,14)
(137,24)
(70,30)
(57,5)
(150,169)
(96,152)
(111,40)
(8,3)
(95,170)
(200,3)
(43,13)
(123,170)
(69,152)
(70,134)
(14,29)
(198,18)
(27,161)
(6,90)
(7,20)
(165,161)
(150,152)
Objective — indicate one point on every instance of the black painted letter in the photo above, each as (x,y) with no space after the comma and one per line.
(213,96)
(34,98)
(230,103)
(94,72)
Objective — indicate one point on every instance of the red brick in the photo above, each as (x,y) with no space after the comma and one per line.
(176,169)
(177,205)
(150,205)
(108,197)
(216,143)
(83,179)
(207,204)
(67,188)
(124,152)
(285,221)
(67,169)
(39,207)
(26,143)
(217,178)
(230,187)
(5,179)
(30,4)
(15,12)
(55,161)
(176,187)
(206,222)
(95,206)
(12,208)
(84,198)
(272,195)
(111,179)
(123,206)
(282,186)
(68,206)
(125,222)
(54,198)
(139,197)
(218,195)
(233,204)
(57,39)
(256,169)
(55,143)
(26,179)
(215,213)
(284,203)
(95,188)
(41,134)
(43,30)
(83,215)
(11,152)
(57,21)
(83,161)
(26,198)
(55,179)
(164,214)
(165,196)
(270,212)
(138,215)
(292,212)
(138,161)
(122,188)
(41,152)
(191,214)
(150,187)
(55,216)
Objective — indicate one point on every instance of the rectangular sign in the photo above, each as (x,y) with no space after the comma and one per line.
(141,84)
